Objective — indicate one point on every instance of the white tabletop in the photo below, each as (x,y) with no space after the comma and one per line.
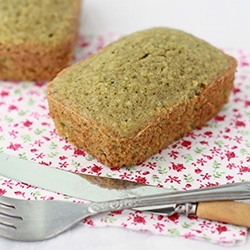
(223,23)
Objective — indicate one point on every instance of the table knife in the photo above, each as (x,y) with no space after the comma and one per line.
(85,187)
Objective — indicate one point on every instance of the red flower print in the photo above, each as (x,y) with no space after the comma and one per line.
(2,191)
(45,163)
(115,212)
(173,179)
(240,124)
(175,217)
(219,118)
(208,133)
(78,151)
(159,226)
(230,155)
(96,169)
(221,229)
(229,177)
(89,222)
(139,219)
(173,154)
(197,170)
(178,167)
(186,144)
(141,180)
(40,84)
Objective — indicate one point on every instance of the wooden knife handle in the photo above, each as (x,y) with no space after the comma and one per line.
(237,213)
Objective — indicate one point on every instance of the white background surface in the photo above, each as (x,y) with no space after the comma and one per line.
(223,23)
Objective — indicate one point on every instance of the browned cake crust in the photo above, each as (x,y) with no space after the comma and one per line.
(37,38)
(116,149)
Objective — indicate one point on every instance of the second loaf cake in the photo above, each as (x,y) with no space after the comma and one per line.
(37,37)
(140,94)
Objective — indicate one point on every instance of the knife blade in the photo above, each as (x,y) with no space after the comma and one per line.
(86,188)
(68,183)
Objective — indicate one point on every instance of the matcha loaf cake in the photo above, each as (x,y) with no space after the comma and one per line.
(37,37)
(140,94)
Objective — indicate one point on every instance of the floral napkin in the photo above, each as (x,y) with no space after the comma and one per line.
(216,154)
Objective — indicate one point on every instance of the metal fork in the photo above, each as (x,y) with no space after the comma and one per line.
(28,220)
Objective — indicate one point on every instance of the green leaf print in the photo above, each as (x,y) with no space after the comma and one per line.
(188,157)
(52,145)
(75,164)
(216,165)
(31,102)
(8,119)
(1,150)
(36,194)
(218,175)
(187,225)
(158,158)
(108,219)
(174,232)
(199,150)
(22,112)
(39,131)
(89,157)
(53,154)
(244,152)
(26,138)
(188,178)
(219,143)
(162,170)
(23,156)
(155,178)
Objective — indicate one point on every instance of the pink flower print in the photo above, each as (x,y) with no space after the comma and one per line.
(27,123)
(247,104)
(2,191)
(236,90)
(19,193)
(12,107)
(4,93)
(14,146)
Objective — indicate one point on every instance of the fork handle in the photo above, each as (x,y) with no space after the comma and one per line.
(236,191)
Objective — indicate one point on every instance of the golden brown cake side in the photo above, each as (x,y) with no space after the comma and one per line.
(115,152)
(117,146)
(37,38)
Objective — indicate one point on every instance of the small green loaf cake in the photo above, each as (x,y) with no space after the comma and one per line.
(140,94)
(37,37)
